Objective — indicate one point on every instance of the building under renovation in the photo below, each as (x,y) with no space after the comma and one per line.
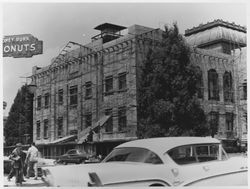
(87,97)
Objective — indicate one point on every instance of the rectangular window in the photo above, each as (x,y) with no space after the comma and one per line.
(39,102)
(214,122)
(88,92)
(38,130)
(109,85)
(122,118)
(109,123)
(45,128)
(229,121)
(60,127)
(88,120)
(122,83)
(46,100)
(244,91)
(60,96)
(73,95)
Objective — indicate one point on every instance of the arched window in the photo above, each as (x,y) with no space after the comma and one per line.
(228,87)
(213,85)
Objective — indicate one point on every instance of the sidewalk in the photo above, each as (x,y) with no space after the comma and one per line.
(29,182)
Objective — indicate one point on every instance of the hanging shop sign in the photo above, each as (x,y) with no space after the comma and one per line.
(21,46)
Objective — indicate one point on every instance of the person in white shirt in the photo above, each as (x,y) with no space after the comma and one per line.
(32,160)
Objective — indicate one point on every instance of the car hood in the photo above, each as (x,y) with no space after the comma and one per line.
(109,173)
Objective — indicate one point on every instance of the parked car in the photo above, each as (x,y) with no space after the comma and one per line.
(73,156)
(170,161)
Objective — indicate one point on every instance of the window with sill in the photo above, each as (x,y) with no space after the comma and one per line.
(38,130)
(244,90)
(213,85)
(108,85)
(122,82)
(39,102)
(109,123)
(60,96)
(73,96)
(229,121)
(88,120)
(88,91)
(46,128)
(122,118)
(228,87)
(60,127)
(46,100)
(214,122)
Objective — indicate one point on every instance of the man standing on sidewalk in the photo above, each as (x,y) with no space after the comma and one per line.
(32,160)
(17,164)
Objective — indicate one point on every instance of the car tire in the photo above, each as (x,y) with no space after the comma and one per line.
(64,162)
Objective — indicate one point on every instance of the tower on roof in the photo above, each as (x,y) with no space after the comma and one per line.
(218,35)
(109,32)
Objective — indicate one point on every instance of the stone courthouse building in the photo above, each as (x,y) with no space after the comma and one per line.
(87,97)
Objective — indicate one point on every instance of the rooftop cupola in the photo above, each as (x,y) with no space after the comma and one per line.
(217,35)
(109,32)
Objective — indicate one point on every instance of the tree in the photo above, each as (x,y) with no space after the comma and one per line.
(20,119)
(167,99)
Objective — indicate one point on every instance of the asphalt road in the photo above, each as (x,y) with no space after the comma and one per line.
(29,182)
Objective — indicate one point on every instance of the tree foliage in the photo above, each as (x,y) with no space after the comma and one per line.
(167,100)
(19,121)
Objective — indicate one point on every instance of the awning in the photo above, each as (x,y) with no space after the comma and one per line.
(101,122)
(64,139)
(84,135)
(86,131)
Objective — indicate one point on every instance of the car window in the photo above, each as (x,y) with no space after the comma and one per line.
(194,153)
(133,155)
(183,155)
(72,152)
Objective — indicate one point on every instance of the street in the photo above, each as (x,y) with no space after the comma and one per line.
(29,182)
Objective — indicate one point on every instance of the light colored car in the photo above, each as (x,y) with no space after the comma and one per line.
(170,161)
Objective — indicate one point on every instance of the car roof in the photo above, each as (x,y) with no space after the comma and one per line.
(163,144)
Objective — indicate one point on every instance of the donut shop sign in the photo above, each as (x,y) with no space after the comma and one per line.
(21,46)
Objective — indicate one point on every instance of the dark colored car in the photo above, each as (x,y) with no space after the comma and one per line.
(73,156)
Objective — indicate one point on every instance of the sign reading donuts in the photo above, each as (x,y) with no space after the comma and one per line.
(21,46)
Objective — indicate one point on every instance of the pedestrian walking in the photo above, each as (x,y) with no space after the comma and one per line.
(32,160)
(17,164)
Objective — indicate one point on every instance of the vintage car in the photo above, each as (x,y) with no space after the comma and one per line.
(73,156)
(169,161)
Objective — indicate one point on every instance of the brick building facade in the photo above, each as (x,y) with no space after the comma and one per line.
(87,96)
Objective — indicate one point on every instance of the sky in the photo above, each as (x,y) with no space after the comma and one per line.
(57,23)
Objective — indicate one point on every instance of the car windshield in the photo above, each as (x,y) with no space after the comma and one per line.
(132,154)
(195,153)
